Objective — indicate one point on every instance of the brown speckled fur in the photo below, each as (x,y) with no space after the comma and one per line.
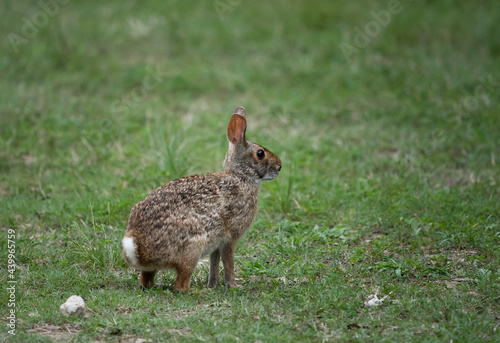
(202,214)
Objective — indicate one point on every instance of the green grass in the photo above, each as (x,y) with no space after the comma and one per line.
(390,179)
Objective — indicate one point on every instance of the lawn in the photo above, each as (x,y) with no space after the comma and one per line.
(385,115)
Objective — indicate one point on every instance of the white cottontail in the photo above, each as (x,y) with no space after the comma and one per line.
(202,214)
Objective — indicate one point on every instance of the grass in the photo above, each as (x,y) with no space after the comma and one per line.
(389,182)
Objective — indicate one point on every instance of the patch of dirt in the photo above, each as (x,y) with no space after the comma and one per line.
(280,278)
(374,236)
(55,332)
(3,191)
(457,256)
(454,282)
(180,332)
(126,339)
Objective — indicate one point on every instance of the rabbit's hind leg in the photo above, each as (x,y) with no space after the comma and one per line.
(147,279)
(184,273)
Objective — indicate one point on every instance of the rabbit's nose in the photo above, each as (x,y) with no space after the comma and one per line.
(278,168)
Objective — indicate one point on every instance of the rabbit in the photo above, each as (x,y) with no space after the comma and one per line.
(199,215)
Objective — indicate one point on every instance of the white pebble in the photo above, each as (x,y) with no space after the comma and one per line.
(74,305)
(373,300)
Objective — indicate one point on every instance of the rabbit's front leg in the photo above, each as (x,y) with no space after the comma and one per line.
(214,268)
(147,279)
(227,251)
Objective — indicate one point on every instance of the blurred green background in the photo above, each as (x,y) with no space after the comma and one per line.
(384,113)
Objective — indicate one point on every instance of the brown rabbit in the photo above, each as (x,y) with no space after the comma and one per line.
(202,214)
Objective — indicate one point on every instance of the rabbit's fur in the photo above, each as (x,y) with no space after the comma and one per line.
(202,214)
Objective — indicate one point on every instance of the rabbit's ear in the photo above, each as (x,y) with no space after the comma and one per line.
(241,111)
(237,127)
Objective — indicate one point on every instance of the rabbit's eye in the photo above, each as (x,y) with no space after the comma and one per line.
(261,154)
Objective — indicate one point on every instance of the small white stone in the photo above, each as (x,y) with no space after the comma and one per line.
(373,300)
(74,305)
